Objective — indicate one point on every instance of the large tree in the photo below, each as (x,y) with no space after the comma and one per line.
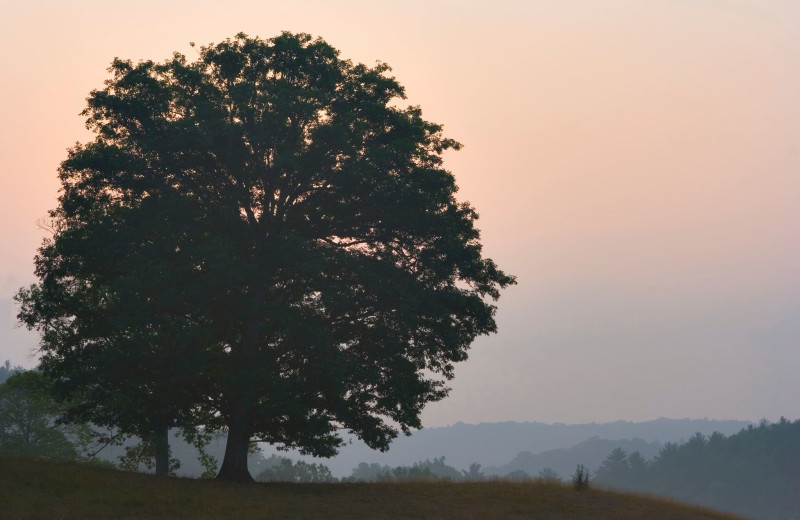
(294,231)
(120,343)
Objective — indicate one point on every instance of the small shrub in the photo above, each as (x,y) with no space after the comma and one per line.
(580,479)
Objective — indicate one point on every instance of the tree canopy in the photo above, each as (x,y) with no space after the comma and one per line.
(267,233)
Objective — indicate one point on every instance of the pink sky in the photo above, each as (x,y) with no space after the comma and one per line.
(635,163)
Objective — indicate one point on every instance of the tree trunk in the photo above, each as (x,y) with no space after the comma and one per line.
(161,446)
(234,465)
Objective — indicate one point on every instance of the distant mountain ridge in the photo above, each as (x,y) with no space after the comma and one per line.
(495,444)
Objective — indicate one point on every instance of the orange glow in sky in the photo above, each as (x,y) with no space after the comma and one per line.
(635,164)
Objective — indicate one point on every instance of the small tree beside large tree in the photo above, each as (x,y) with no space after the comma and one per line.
(264,230)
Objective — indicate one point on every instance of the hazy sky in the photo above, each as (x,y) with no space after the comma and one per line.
(636,163)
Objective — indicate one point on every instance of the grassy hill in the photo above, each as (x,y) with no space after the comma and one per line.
(54,490)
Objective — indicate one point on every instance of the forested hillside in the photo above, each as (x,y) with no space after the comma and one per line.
(496,444)
(499,448)
(754,473)
(563,461)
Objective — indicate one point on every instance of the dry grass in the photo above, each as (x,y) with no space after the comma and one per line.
(50,490)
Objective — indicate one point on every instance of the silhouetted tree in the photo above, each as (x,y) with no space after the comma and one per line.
(144,455)
(580,479)
(615,470)
(435,469)
(638,471)
(294,234)
(119,354)
(474,474)
(282,469)
(438,469)
(374,472)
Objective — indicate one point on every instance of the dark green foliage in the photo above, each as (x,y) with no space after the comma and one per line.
(28,420)
(188,456)
(435,469)
(282,469)
(200,439)
(115,349)
(374,472)
(141,457)
(261,240)
(753,473)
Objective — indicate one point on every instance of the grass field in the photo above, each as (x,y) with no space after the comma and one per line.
(54,490)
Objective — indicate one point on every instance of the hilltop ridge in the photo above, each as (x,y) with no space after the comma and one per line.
(33,489)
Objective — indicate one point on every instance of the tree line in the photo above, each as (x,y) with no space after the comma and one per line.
(754,473)
(28,419)
(30,426)
(284,469)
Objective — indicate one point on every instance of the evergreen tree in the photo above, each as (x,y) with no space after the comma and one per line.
(615,470)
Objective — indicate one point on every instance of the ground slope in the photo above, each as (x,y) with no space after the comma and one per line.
(36,489)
